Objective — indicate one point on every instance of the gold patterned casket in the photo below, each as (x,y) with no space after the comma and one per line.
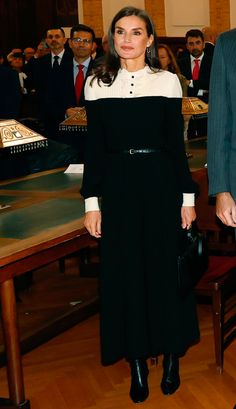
(75,122)
(16,138)
(194,106)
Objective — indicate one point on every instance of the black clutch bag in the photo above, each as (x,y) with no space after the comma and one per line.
(192,261)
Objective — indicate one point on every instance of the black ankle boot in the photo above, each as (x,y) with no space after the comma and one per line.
(139,385)
(170,380)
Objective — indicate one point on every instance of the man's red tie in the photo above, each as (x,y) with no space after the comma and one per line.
(79,82)
(196,69)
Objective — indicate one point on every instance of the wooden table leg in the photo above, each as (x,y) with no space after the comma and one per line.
(12,347)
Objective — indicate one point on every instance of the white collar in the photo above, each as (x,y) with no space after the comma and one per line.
(127,74)
(60,55)
(197,58)
(84,63)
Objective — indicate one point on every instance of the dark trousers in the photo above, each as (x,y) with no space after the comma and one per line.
(197,127)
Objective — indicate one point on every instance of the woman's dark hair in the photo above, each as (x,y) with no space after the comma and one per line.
(107,72)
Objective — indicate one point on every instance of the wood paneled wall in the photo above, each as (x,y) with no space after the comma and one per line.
(28,23)
(93,15)
(156,9)
(220,15)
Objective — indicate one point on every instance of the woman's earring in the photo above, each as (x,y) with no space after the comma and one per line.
(148,50)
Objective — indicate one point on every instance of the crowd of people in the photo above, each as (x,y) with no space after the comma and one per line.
(49,95)
(48,89)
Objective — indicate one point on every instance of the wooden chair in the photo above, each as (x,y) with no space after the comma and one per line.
(219,281)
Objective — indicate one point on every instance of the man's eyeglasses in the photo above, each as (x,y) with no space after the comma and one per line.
(85,41)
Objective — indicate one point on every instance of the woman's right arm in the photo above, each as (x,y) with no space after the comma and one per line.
(91,188)
(92,223)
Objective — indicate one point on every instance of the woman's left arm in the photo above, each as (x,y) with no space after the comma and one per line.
(188,215)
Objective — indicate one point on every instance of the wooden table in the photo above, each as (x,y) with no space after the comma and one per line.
(43,224)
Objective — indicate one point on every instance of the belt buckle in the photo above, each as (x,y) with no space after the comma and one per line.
(131,151)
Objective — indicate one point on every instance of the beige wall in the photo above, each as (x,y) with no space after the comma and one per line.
(110,8)
(180,16)
(171,17)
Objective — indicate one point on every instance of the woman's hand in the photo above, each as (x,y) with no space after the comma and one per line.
(92,223)
(188,215)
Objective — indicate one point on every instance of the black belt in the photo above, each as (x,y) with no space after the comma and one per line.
(135,151)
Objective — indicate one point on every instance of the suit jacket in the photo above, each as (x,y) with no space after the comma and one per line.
(74,139)
(209,48)
(50,90)
(69,88)
(10,100)
(222,117)
(204,75)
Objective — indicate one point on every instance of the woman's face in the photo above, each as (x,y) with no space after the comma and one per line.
(131,38)
(163,58)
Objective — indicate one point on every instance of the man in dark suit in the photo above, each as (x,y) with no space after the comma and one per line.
(75,72)
(81,42)
(222,128)
(198,86)
(196,68)
(10,93)
(49,82)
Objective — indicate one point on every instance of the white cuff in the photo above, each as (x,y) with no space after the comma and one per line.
(91,204)
(188,199)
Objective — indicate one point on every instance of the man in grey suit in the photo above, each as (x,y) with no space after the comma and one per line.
(222,128)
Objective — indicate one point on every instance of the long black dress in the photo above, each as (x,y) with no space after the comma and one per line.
(142,314)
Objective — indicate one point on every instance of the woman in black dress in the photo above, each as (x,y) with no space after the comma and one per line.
(136,163)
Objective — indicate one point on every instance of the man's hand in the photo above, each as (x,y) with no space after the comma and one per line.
(226,208)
